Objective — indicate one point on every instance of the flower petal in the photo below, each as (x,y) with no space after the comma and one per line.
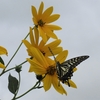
(72,84)
(36,32)
(2,66)
(36,67)
(53,27)
(47,82)
(58,87)
(27,44)
(47,13)
(39,57)
(42,34)
(3,51)
(55,51)
(52,44)
(32,37)
(52,18)
(34,12)
(40,10)
(62,56)
(49,32)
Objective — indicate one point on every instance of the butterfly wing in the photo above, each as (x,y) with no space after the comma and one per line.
(65,69)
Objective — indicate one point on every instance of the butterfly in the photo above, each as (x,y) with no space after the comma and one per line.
(65,69)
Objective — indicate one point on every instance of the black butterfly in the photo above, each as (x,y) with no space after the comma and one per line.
(65,69)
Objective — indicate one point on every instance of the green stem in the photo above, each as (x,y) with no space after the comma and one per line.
(16,51)
(13,68)
(37,85)
(34,87)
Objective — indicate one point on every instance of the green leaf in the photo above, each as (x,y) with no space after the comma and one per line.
(1,60)
(13,84)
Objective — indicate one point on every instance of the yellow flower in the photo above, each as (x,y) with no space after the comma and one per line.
(2,52)
(42,21)
(42,66)
(41,45)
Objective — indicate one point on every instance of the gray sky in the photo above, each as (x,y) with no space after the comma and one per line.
(80,34)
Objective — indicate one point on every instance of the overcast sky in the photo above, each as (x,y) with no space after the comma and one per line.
(80,35)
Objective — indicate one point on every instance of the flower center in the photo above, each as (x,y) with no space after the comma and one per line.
(40,23)
(51,70)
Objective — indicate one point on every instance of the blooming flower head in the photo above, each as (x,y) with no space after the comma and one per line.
(2,52)
(45,66)
(42,21)
(37,42)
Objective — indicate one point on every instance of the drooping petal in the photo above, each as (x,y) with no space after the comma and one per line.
(52,18)
(62,56)
(49,32)
(2,66)
(53,27)
(72,84)
(47,82)
(47,13)
(58,87)
(40,10)
(39,57)
(3,51)
(42,34)
(36,32)
(32,37)
(36,67)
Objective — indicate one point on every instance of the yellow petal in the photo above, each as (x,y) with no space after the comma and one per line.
(27,44)
(53,27)
(42,34)
(52,18)
(42,43)
(40,10)
(39,57)
(49,32)
(47,13)
(36,32)
(2,66)
(3,51)
(34,12)
(72,84)
(36,67)
(58,87)
(47,82)
(62,56)
(32,37)
(55,51)
(52,44)
(35,21)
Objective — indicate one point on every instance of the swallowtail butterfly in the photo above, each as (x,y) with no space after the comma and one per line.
(65,69)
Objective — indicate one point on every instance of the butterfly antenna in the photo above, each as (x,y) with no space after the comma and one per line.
(52,54)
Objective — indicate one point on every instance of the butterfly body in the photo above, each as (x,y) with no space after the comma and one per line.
(65,69)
